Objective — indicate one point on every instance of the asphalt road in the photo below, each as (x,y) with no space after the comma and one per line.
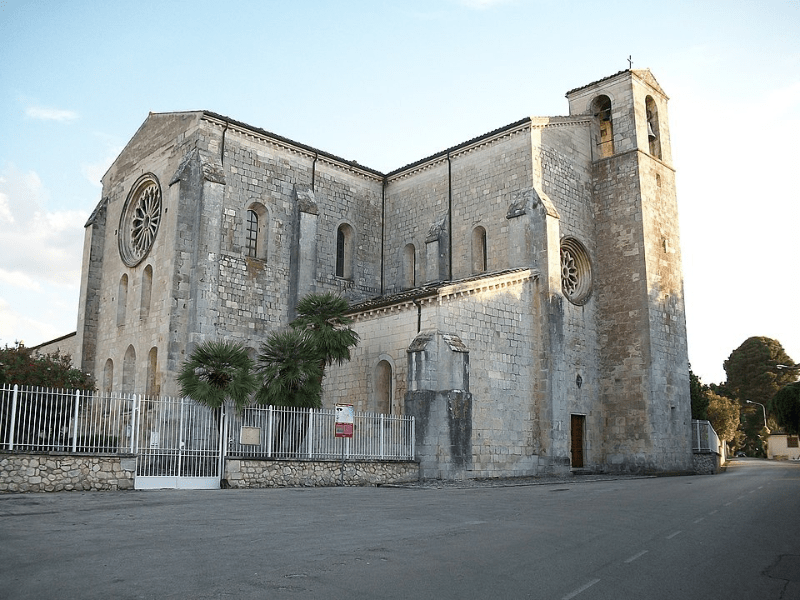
(735,535)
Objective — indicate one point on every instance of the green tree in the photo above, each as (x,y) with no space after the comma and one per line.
(723,413)
(291,376)
(323,318)
(751,369)
(698,393)
(785,407)
(752,375)
(290,371)
(24,366)
(217,372)
(52,371)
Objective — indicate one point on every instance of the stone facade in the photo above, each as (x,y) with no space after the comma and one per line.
(549,248)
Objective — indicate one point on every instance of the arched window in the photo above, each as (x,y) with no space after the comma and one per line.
(479,250)
(382,402)
(601,108)
(255,228)
(129,371)
(147,290)
(153,384)
(653,133)
(251,229)
(108,377)
(344,251)
(409,266)
(122,300)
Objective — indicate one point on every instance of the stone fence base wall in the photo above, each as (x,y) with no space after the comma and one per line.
(55,472)
(253,473)
(706,463)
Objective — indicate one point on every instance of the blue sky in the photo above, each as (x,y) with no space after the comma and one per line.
(387,83)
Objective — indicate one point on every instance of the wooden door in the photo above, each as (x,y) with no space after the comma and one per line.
(576,434)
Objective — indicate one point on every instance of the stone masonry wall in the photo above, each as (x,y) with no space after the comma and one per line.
(385,335)
(65,472)
(484,180)
(415,200)
(250,473)
(706,463)
(494,320)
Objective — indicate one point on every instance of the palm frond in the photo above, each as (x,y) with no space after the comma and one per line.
(323,318)
(289,370)
(217,371)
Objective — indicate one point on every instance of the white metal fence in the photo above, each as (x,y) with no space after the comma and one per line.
(42,419)
(704,438)
(46,420)
(276,432)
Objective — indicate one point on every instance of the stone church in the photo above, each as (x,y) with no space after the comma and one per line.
(520,293)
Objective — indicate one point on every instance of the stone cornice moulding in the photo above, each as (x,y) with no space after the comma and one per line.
(442,157)
(436,294)
(286,145)
(485,284)
(426,166)
(631,151)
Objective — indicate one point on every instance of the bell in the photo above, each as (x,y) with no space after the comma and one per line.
(651,135)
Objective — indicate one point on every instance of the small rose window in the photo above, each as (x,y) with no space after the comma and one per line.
(576,271)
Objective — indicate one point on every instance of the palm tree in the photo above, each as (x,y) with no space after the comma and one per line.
(217,372)
(290,374)
(289,370)
(322,317)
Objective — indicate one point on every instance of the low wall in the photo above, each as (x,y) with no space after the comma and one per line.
(55,472)
(706,463)
(254,473)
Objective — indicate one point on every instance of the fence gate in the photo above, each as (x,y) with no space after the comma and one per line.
(179,444)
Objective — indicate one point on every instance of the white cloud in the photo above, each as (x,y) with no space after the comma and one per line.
(50,114)
(46,317)
(5,209)
(15,279)
(40,261)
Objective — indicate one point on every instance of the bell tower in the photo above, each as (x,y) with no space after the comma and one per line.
(644,373)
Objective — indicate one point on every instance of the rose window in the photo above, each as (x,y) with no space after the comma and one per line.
(140,219)
(576,271)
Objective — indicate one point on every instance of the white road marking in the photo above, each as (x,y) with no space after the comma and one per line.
(583,588)
(672,535)
(698,520)
(635,556)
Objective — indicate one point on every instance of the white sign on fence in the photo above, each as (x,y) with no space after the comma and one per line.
(345,417)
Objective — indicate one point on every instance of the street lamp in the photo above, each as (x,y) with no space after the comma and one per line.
(764,410)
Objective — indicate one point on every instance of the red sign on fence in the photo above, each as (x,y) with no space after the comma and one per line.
(343,426)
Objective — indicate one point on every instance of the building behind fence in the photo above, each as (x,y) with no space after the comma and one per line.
(176,442)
